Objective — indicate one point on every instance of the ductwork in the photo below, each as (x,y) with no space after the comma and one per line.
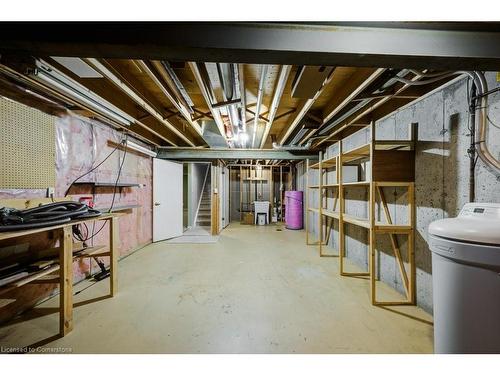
(228,77)
(260,95)
(305,147)
(183,96)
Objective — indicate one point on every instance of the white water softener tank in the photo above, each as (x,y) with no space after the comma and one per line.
(466,280)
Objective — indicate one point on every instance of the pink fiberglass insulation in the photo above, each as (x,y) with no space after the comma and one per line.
(294,209)
(80,145)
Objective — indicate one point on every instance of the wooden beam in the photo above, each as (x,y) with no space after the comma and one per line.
(155,77)
(207,95)
(359,82)
(304,107)
(125,88)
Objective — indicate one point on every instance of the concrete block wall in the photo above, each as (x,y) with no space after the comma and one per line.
(442,177)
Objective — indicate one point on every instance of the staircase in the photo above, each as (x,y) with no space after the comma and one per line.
(204,213)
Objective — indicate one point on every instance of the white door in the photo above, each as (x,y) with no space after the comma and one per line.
(167,199)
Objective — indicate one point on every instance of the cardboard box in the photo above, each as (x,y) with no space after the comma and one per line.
(248,218)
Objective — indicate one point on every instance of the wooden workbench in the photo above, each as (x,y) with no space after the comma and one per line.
(65,266)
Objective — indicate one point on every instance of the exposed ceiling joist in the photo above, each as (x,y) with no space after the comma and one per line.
(351,94)
(208,98)
(141,130)
(355,118)
(280,86)
(182,109)
(302,112)
(126,89)
(397,45)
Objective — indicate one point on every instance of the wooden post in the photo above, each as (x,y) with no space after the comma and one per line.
(66,281)
(281,194)
(241,193)
(411,244)
(113,257)
(306,199)
(341,209)
(320,203)
(371,230)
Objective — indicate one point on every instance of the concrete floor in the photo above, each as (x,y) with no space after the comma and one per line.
(257,290)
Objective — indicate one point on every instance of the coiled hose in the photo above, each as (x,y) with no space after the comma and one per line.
(46,215)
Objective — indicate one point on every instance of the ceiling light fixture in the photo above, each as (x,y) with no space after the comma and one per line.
(51,77)
(141,149)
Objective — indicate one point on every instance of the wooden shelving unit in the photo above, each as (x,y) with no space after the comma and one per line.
(59,268)
(325,189)
(389,163)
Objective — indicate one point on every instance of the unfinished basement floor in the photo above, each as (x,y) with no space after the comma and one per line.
(257,290)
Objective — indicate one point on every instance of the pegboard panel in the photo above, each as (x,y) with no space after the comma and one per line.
(27,142)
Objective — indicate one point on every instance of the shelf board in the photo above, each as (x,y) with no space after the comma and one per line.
(392,228)
(360,222)
(357,183)
(108,184)
(90,252)
(325,212)
(29,278)
(378,227)
(43,276)
(330,213)
(324,186)
(119,208)
(26,232)
(392,183)
(326,163)
(358,153)
(394,144)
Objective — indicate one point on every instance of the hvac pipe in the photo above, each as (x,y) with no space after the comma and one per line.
(260,94)
(283,78)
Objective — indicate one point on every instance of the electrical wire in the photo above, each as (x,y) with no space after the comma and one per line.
(119,173)
(426,82)
(94,234)
(97,166)
(427,75)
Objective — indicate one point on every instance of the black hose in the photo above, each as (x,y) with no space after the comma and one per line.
(44,216)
